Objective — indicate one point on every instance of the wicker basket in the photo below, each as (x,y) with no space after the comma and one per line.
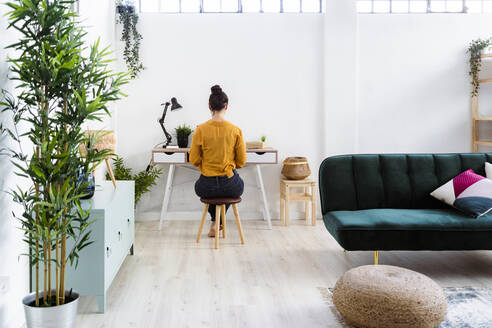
(296,168)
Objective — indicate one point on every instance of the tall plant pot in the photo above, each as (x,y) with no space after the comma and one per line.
(62,316)
(88,179)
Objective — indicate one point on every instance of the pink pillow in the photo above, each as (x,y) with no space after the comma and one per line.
(468,192)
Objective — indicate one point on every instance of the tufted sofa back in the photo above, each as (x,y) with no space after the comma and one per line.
(357,182)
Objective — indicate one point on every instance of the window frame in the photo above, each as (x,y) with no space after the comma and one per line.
(239,11)
(427,11)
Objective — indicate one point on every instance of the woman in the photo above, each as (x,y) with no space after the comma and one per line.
(218,150)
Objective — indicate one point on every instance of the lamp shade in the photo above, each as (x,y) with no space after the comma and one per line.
(174,104)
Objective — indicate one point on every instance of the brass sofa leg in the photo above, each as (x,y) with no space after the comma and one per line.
(376,257)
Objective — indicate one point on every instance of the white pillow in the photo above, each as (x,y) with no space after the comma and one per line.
(488,170)
(468,192)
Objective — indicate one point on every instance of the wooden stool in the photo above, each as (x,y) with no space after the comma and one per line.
(286,196)
(220,211)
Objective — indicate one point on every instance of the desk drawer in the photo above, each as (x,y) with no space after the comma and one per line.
(261,157)
(169,157)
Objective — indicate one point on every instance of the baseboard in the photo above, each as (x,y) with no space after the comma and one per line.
(196,215)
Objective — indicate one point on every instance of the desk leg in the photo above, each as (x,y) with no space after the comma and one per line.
(266,212)
(167,194)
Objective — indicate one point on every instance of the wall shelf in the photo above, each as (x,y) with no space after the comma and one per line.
(484,143)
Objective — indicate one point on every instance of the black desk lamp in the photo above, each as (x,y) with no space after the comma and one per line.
(174,106)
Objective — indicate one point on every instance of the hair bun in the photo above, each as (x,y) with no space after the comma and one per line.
(216,90)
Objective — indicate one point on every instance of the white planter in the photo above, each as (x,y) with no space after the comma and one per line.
(62,316)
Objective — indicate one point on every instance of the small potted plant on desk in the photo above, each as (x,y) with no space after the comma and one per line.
(61,90)
(182,133)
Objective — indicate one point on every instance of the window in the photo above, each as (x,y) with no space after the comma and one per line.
(231,6)
(424,6)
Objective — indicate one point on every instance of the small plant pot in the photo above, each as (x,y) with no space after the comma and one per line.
(183,141)
(61,316)
(120,9)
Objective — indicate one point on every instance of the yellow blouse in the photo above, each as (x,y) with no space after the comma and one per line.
(217,148)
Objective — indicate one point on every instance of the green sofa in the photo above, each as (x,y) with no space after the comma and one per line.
(382,202)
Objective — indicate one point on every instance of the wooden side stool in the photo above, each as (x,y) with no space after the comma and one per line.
(286,196)
(220,211)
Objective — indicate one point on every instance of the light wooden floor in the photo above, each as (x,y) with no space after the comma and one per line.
(272,281)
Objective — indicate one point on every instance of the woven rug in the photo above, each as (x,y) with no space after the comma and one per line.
(468,307)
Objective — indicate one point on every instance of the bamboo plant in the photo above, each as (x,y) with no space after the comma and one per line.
(61,85)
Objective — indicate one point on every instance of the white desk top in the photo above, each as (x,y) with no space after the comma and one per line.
(180,156)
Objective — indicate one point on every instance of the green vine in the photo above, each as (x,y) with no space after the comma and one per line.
(475,49)
(128,18)
(143,179)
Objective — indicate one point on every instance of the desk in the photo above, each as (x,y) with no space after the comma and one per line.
(180,157)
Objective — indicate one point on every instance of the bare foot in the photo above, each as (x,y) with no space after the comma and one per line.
(211,233)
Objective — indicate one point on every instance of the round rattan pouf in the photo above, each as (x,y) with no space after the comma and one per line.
(384,296)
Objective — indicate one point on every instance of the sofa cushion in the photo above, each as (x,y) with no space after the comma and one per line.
(409,229)
(469,192)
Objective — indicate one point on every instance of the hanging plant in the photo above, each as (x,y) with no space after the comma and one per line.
(475,49)
(128,18)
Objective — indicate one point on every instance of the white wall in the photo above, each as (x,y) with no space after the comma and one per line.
(100,24)
(14,278)
(271,67)
(315,85)
(340,76)
(414,90)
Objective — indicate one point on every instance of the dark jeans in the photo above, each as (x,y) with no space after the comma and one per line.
(217,187)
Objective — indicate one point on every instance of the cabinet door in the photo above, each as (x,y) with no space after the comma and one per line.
(129,219)
(122,224)
(110,264)
(117,234)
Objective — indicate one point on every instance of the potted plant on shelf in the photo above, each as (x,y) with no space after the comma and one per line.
(182,134)
(128,18)
(60,89)
(143,179)
(476,50)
